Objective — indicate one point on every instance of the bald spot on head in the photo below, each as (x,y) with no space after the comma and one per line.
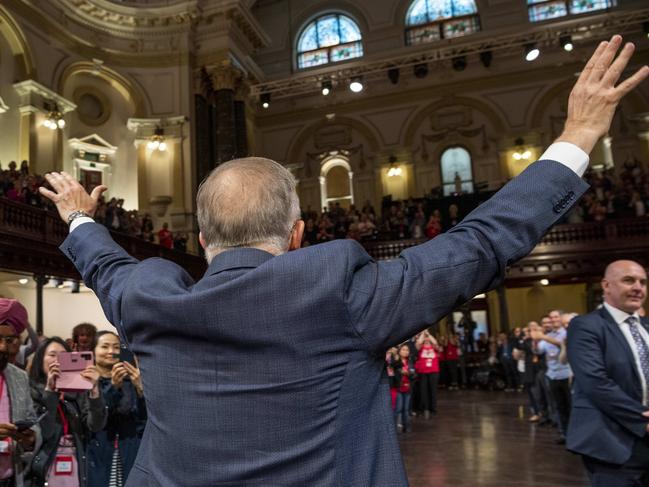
(247,202)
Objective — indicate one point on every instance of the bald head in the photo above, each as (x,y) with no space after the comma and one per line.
(625,285)
(248,202)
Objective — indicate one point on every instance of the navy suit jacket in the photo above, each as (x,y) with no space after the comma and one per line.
(269,371)
(607,408)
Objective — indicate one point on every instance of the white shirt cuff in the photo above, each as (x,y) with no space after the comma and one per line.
(569,155)
(80,221)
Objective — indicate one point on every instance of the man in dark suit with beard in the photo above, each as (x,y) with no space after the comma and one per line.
(608,350)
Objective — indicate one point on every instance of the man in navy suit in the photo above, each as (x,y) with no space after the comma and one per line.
(269,371)
(608,350)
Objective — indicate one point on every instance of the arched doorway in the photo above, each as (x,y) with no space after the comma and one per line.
(336,183)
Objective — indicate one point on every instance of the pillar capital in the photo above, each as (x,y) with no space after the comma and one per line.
(225,76)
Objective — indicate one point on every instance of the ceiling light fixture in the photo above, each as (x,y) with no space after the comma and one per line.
(326,87)
(566,43)
(157,140)
(356,84)
(264,98)
(531,52)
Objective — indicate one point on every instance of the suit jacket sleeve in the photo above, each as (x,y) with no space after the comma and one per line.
(587,362)
(389,302)
(104,266)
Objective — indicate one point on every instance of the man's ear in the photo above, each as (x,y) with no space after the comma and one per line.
(296,236)
(201,240)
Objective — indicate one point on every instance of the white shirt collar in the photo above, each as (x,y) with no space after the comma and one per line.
(618,315)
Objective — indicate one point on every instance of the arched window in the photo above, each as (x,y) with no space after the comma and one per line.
(336,182)
(457,173)
(329,39)
(432,20)
(539,10)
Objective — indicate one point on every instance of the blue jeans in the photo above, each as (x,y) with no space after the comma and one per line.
(403,409)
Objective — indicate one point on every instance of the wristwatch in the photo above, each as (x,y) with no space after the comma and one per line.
(77,214)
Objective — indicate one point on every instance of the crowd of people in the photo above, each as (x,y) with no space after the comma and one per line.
(19,185)
(71,436)
(625,195)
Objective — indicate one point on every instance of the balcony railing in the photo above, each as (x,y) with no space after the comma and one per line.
(21,226)
(576,249)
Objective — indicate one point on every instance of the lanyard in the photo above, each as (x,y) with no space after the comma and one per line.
(64,420)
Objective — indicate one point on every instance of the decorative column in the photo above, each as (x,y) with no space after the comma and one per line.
(504,310)
(323,192)
(225,78)
(351,185)
(41,281)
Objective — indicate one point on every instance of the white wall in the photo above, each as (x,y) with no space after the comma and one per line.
(62,310)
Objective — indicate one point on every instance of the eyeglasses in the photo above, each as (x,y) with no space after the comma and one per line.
(9,340)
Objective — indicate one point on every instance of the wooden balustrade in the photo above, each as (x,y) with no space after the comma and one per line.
(29,238)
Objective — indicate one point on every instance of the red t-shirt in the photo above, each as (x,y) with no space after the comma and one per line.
(428,361)
(451,352)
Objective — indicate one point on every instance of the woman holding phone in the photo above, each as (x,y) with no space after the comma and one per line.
(112,451)
(70,418)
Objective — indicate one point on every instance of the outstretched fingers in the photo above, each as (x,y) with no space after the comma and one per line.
(614,72)
(592,62)
(50,195)
(57,182)
(628,84)
(605,59)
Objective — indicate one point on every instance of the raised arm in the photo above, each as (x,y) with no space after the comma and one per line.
(103,265)
(390,301)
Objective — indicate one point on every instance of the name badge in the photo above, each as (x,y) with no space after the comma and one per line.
(63,465)
(5,447)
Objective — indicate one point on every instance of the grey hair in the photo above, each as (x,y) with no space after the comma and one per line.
(247,202)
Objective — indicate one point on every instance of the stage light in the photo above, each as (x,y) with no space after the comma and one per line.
(531,52)
(459,63)
(356,85)
(566,43)
(393,75)
(326,87)
(265,100)
(23,281)
(485,58)
(544,282)
(421,70)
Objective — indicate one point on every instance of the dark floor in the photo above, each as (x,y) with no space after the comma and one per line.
(483,439)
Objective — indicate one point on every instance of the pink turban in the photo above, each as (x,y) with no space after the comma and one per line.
(14,314)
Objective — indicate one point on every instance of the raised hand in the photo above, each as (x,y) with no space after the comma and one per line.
(69,196)
(595,97)
(53,373)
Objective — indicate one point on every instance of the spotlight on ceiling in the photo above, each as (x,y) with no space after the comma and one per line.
(265,100)
(23,281)
(485,58)
(459,63)
(544,282)
(566,43)
(356,84)
(531,52)
(421,70)
(393,75)
(326,87)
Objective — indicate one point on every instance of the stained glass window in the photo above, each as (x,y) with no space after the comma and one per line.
(456,170)
(330,38)
(539,10)
(431,20)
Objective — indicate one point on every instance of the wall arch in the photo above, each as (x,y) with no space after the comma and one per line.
(125,87)
(497,123)
(296,150)
(11,31)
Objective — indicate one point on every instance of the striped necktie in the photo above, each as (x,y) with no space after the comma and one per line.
(643,350)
